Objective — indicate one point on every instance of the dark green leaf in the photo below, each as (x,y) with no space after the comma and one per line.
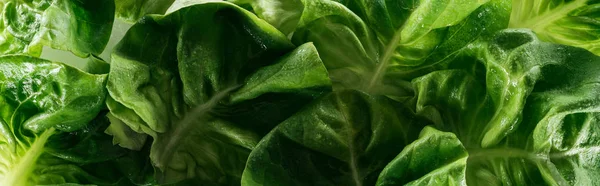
(375,46)
(344,138)
(206,82)
(49,129)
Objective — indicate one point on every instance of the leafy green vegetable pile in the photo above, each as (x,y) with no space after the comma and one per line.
(300,92)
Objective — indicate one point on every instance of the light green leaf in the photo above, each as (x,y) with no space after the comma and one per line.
(82,27)
(282,14)
(49,129)
(454,100)
(531,121)
(24,87)
(568,22)
(123,135)
(178,4)
(515,60)
(133,10)
(436,158)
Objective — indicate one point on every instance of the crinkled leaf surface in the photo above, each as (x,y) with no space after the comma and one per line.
(206,82)
(48,130)
(374,45)
(344,138)
(532,120)
(80,26)
(436,158)
(124,135)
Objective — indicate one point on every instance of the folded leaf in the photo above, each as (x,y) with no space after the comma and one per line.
(125,136)
(206,82)
(49,129)
(436,158)
(344,138)
(531,122)
(95,65)
(516,60)
(178,4)
(282,14)
(454,100)
(133,10)
(376,46)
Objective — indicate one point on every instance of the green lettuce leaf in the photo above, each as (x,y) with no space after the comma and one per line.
(133,10)
(436,158)
(374,45)
(206,82)
(530,119)
(95,65)
(124,135)
(344,138)
(575,22)
(82,27)
(178,4)
(282,14)
(50,130)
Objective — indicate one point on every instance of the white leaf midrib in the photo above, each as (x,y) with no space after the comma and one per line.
(541,21)
(389,51)
(353,164)
(19,174)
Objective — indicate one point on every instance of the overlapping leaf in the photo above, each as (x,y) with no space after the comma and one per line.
(376,46)
(344,138)
(533,120)
(206,82)
(49,129)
